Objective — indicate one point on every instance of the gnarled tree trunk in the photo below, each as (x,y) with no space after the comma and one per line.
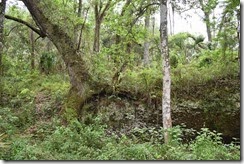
(76,66)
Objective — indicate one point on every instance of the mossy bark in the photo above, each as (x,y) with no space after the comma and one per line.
(80,78)
(2,14)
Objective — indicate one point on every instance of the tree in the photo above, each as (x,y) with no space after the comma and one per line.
(166,109)
(186,45)
(228,33)
(80,78)
(21,36)
(207,7)
(82,13)
(146,43)
(32,42)
(2,15)
(130,15)
(82,84)
(100,12)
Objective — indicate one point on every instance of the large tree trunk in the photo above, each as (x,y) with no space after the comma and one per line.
(2,15)
(167,121)
(77,69)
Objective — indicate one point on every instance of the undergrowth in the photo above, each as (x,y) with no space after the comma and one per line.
(34,128)
(78,141)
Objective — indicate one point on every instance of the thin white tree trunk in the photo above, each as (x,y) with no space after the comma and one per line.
(166,110)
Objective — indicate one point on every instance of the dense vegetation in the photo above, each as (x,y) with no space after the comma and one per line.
(123,121)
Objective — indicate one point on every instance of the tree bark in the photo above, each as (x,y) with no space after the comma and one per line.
(36,30)
(166,109)
(76,66)
(146,43)
(2,15)
(153,26)
(206,20)
(79,8)
(32,41)
(208,26)
(239,36)
(99,16)
(81,29)
(96,44)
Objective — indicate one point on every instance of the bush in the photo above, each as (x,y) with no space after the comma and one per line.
(208,146)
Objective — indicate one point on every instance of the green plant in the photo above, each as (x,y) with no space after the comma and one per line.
(208,146)
(47,62)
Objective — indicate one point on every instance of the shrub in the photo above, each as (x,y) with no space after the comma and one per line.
(208,146)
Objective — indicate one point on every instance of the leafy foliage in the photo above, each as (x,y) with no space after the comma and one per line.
(81,142)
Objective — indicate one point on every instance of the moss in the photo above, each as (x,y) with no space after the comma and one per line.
(72,106)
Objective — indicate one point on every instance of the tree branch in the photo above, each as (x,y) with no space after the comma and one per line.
(142,10)
(11,30)
(128,2)
(105,9)
(36,30)
(82,27)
